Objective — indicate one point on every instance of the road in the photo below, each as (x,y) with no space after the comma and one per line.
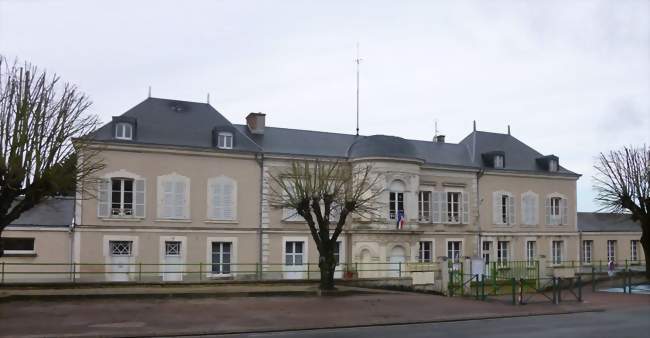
(619,323)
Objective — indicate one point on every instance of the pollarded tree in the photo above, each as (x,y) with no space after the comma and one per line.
(622,184)
(325,195)
(39,119)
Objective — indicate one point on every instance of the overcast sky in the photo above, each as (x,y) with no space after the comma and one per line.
(572,78)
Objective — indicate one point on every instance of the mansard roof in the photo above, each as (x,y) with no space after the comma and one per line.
(177,123)
(606,222)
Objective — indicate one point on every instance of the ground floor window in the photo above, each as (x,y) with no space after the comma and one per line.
(14,245)
(611,251)
(502,252)
(120,248)
(425,251)
(454,250)
(634,250)
(587,249)
(293,253)
(221,253)
(531,252)
(557,247)
(172,248)
(487,250)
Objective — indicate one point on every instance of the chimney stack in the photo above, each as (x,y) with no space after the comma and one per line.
(256,123)
(440,139)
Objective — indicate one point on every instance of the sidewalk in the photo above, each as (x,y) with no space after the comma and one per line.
(90,317)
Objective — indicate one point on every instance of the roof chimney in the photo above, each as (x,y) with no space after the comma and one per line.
(440,139)
(256,122)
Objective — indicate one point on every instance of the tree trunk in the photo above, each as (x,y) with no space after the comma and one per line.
(327,265)
(645,243)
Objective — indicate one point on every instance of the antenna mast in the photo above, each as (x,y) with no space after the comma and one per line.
(357,61)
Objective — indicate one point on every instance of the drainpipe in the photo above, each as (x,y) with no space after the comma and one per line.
(259,157)
(71,233)
(478,212)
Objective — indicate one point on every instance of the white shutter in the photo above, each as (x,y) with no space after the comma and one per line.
(138,200)
(465,207)
(496,208)
(104,198)
(216,198)
(165,202)
(564,211)
(180,200)
(548,211)
(511,210)
(525,209)
(228,191)
(535,209)
(436,207)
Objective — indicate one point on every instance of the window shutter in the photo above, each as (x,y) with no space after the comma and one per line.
(103,198)
(138,205)
(525,209)
(165,203)
(548,210)
(465,207)
(564,211)
(496,207)
(216,196)
(436,207)
(228,190)
(534,206)
(180,200)
(511,210)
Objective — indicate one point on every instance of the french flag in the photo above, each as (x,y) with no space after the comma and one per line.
(400,220)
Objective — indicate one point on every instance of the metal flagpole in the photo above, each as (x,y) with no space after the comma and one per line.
(358,61)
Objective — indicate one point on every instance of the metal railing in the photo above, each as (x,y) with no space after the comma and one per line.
(14,272)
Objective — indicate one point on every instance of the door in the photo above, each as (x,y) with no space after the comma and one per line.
(172,268)
(397,260)
(120,253)
(485,253)
(294,266)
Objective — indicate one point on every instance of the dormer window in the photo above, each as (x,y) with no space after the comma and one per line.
(498,161)
(552,165)
(224,140)
(123,131)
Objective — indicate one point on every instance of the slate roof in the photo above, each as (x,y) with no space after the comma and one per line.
(517,155)
(177,123)
(600,221)
(52,212)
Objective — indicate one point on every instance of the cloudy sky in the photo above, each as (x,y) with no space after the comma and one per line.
(571,78)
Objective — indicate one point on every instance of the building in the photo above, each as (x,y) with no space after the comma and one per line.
(606,237)
(184,196)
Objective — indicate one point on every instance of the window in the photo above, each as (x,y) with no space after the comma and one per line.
(556,210)
(557,248)
(424,206)
(121,197)
(123,131)
(531,252)
(611,251)
(172,248)
(498,161)
(552,165)
(529,208)
(222,195)
(224,140)
(293,253)
(120,248)
(17,246)
(221,252)
(173,197)
(454,250)
(502,252)
(634,250)
(504,208)
(486,251)
(587,249)
(453,207)
(396,206)
(425,252)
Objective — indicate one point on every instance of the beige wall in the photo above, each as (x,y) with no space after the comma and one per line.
(517,185)
(623,245)
(198,167)
(51,246)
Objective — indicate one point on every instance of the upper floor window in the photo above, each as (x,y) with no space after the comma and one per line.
(222,199)
(123,131)
(498,161)
(556,210)
(450,207)
(396,200)
(121,195)
(424,206)
(529,208)
(224,140)
(503,208)
(453,207)
(173,197)
(552,165)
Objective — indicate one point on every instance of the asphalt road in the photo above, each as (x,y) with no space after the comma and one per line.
(633,323)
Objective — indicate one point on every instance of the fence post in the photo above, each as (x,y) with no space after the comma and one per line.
(514,291)
(521,291)
(559,290)
(399,266)
(258,271)
(477,286)
(3,273)
(74,272)
(482,287)
(307,270)
(200,271)
(450,285)
(579,288)
(593,279)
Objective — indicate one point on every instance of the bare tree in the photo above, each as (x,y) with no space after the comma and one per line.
(43,151)
(622,184)
(325,194)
